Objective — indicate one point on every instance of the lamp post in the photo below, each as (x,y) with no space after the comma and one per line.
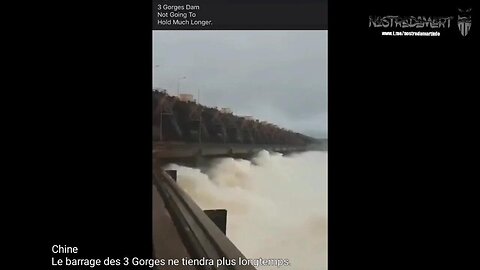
(153,76)
(178,84)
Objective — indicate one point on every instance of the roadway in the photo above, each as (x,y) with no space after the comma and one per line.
(182,230)
(183,150)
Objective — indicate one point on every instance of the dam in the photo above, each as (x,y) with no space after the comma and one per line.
(195,226)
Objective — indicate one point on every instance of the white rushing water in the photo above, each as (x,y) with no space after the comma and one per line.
(277,205)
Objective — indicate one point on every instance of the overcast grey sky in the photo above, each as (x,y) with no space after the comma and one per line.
(276,76)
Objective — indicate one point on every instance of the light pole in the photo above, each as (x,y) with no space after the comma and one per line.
(178,84)
(153,76)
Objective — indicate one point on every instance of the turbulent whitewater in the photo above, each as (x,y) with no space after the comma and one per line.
(277,205)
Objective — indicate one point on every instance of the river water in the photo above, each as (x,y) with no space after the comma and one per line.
(277,205)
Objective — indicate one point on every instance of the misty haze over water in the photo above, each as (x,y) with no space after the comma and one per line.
(277,205)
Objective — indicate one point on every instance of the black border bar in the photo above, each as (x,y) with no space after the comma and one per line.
(249,14)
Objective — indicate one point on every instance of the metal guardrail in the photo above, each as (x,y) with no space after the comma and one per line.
(201,237)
